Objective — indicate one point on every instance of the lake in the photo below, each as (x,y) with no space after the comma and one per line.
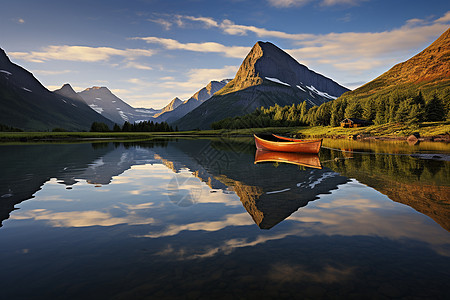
(214,219)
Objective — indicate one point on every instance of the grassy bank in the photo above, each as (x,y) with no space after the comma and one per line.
(386,130)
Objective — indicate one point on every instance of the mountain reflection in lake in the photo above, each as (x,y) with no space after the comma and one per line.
(199,219)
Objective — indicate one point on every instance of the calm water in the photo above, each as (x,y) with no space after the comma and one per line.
(200,219)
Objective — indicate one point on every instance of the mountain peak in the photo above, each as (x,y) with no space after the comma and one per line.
(67,87)
(96,88)
(266,61)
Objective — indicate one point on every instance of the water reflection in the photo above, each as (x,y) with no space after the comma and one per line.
(300,159)
(332,233)
(270,192)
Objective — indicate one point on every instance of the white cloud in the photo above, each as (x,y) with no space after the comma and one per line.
(209,22)
(52,72)
(291,3)
(207,47)
(80,53)
(197,79)
(288,3)
(444,19)
(164,23)
(364,51)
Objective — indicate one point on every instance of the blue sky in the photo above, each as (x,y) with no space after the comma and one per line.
(150,51)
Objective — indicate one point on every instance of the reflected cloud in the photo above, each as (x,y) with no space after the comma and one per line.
(298,273)
(83,218)
(241,219)
(226,248)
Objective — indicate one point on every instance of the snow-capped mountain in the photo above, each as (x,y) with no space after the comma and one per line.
(266,77)
(198,98)
(104,102)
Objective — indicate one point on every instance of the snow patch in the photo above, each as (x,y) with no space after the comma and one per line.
(123,115)
(323,94)
(276,80)
(25,89)
(280,191)
(301,88)
(6,72)
(97,108)
(319,180)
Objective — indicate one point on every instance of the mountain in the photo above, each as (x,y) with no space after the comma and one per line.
(68,92)
(198,98)
(169,107)
(25,103)
(104,102)
(428,71)
(267,76)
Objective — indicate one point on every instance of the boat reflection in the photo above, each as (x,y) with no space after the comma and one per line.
(300,159)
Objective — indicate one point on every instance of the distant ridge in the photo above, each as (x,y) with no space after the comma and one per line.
(267,76)
(169,107)
(193,102)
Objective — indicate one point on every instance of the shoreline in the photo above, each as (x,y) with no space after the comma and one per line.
(437,131)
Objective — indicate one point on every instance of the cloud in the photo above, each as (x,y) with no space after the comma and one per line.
(52,72)
(209,22)
(207,47)
(80,53)
(444,19)
(288,3)
(359,51)
(164,23)
(20,21)
(298,3)
(197,79)
(139,66)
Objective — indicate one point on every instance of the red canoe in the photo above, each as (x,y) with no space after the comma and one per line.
(283,144)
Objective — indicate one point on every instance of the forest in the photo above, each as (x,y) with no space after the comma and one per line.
(404,106)
(145,126)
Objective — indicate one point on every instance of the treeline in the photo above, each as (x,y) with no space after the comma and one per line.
(7,128)
(403,107)
(274,116)
(145,126)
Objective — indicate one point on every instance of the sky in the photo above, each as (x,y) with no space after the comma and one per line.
(148,52)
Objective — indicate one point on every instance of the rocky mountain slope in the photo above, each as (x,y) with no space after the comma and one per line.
(267,76)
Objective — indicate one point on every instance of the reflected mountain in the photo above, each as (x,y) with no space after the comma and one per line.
(269,192)
(25,168)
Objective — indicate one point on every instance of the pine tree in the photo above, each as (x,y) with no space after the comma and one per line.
(435,110)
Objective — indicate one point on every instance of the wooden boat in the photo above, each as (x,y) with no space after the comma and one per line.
(302,159)
(284,144)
